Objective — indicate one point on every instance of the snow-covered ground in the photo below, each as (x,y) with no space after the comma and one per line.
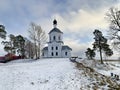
(44,74)
(106,69)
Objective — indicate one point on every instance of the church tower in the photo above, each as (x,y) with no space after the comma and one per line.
(56,46)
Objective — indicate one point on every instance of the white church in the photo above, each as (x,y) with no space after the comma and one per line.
(56,47)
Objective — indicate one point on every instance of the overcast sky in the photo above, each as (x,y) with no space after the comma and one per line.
(77,19)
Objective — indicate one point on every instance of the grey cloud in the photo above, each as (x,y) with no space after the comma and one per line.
(90,4)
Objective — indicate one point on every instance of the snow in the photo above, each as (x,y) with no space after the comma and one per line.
(47,74)
(114,67)
(106,69)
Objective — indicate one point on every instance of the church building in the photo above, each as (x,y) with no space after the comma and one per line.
(56,47)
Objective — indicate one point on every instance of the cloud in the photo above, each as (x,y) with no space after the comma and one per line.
(90,4)
(77,21)
(78,48)
(80,25)
(76,18)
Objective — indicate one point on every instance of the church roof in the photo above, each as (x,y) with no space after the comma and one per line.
(55,30)
(56,41)
(63,48)
(45,49)
(66,47)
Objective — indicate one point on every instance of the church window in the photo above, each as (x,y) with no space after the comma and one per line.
(50,38)
(52,48)
(54,38)
(52,54)
(66,53)
(56,48)
(59,37)
(56,53)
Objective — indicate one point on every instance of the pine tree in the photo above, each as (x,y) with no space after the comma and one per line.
(2,32)
(20,45)
(90,54)
(100,44)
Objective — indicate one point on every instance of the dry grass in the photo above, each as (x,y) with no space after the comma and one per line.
(101,80)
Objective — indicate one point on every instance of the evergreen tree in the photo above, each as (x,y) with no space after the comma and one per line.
(90,54)
(9,45)
(15,43)
(2,32)
(20,45)
(100,44)
(107,51)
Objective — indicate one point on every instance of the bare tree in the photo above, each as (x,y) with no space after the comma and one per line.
(38,36)
(113,16)
(32,35)
(29,49)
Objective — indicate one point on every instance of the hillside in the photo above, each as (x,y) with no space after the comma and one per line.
(52,74)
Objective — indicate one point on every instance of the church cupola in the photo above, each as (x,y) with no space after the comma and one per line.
(55,29)
(55,23)
(55,35)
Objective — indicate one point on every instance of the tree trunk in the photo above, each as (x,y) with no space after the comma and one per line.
(100,52)
(36,50)
(39,50)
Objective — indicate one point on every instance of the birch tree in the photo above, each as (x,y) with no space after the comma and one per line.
(38,36)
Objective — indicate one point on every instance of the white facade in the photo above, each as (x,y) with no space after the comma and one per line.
(56,47)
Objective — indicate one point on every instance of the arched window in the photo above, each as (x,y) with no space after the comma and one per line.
(56,48)
(66,53)
(56,53)
(54,38)
(52,54)
(52,48)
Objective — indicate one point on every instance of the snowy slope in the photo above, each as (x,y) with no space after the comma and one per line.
(49,74)
(46,74)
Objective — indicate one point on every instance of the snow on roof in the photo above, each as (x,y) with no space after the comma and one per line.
(55,30)
(45,48)
(66,47)
(63,48)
